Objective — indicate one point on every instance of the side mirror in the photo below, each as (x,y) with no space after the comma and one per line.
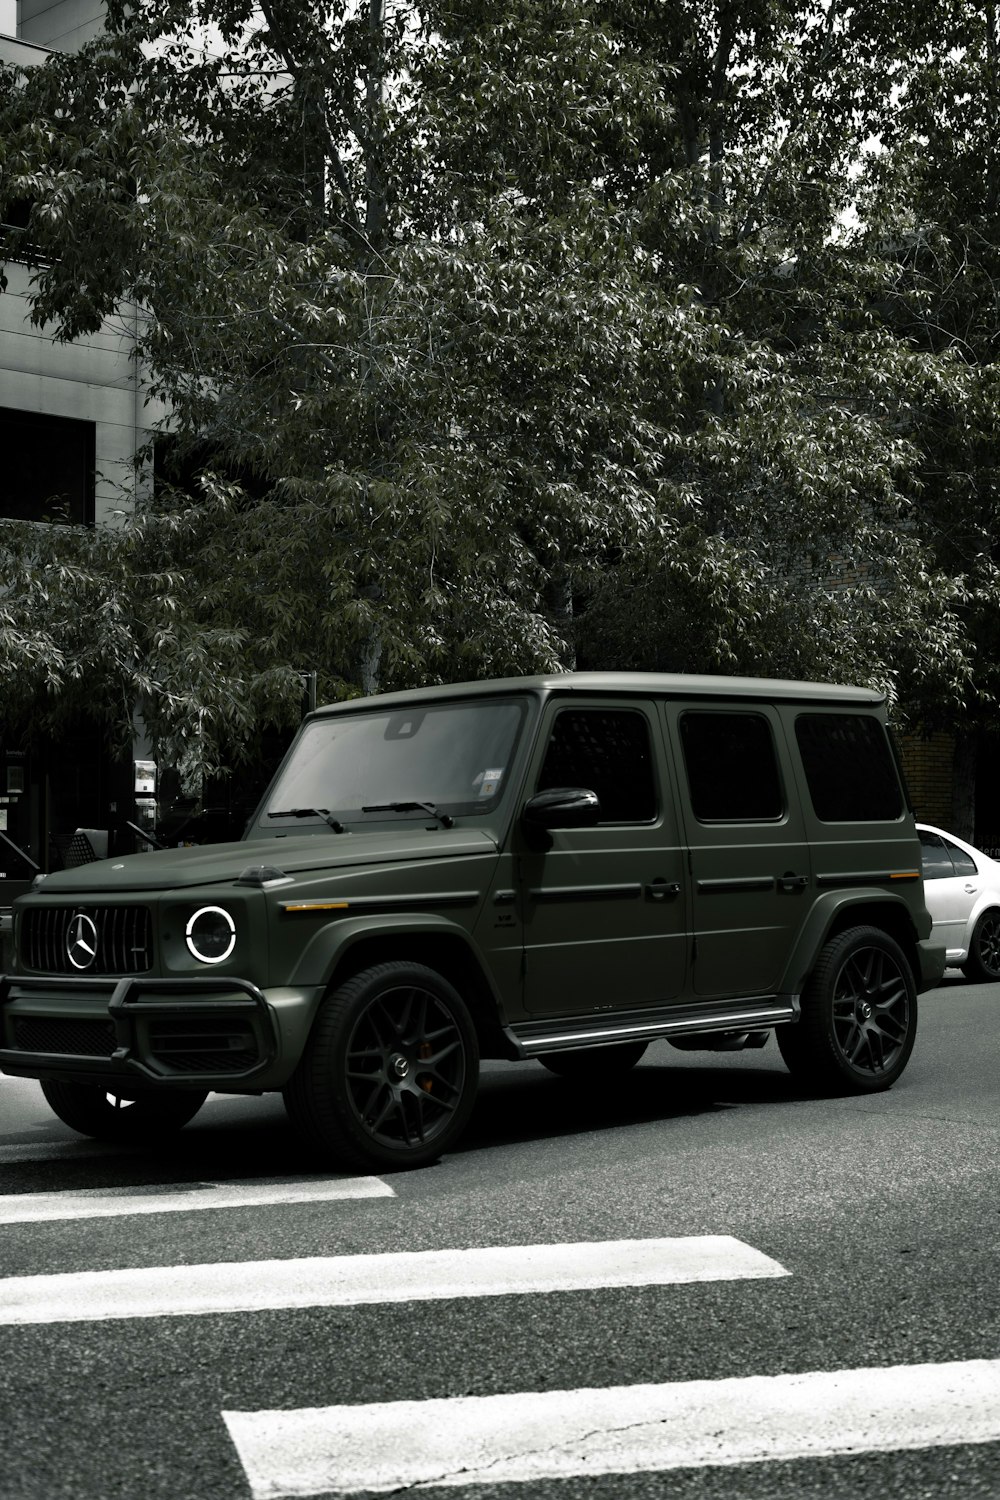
(562,807)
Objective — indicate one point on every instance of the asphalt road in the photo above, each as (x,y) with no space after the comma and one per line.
(880,1217)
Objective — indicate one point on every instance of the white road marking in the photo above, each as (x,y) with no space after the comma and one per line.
(543,1435)
(105,1203)
(346,1280)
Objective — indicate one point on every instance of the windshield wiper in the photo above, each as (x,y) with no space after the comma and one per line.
(427,807)
(310,812)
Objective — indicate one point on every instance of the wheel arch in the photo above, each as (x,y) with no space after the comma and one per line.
(859,1018)
(442,946)
(987,903)
(829,918)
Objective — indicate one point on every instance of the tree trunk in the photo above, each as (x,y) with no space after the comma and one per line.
(559,599)
(963,786)
(371,660)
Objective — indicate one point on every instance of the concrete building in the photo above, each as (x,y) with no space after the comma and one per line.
(71,420)
(71,415)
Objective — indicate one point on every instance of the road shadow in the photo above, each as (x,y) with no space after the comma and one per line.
(527,1107)
(515,1105)
(205,1151)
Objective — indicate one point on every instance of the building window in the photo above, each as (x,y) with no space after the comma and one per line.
(48,468)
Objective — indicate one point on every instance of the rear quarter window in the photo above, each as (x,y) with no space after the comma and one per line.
(934,856)
(964,863)
(849,768)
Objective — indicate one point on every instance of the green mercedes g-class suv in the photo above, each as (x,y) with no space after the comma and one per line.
(561,868)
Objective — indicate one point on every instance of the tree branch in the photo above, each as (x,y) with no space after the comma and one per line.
(292,63)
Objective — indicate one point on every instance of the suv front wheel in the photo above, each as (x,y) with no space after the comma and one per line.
(389,1074)
(859,1016)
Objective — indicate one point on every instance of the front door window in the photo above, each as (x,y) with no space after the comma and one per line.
(606,751)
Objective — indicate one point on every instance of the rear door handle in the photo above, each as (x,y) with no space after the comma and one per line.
(659,890)
(790,882)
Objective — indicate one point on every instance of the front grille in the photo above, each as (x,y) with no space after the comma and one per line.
(124,939)
(71,1038)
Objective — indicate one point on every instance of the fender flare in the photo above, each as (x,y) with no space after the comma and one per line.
(826,914)
(334,950)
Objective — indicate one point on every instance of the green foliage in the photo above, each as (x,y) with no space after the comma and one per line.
(468,315)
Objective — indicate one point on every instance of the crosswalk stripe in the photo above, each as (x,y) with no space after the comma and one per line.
(345,1280)
(556,1435)
(103,1203)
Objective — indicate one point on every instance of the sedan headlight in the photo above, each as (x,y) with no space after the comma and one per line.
(210,935)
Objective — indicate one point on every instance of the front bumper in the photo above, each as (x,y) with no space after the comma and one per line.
(207,1032)
(932,958)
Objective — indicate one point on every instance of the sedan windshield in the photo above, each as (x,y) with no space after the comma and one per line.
(448,759)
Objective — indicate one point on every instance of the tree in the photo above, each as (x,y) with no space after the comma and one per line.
(510,308)
(930,202)
(439,421)
(797,545)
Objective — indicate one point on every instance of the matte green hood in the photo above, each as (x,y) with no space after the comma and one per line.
(215,864)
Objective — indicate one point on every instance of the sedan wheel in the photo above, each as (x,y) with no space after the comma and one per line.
(983,963)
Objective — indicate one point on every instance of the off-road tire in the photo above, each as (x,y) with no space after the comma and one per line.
(859,1016)
(389,1074)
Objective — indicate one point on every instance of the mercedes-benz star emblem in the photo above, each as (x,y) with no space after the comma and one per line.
(81,941)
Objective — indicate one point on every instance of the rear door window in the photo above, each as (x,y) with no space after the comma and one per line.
(732,768)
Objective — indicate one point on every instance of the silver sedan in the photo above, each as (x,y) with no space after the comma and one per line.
(962,891)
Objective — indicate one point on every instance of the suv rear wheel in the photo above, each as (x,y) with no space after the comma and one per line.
(389,1075)
(859,1015)
(108,1116)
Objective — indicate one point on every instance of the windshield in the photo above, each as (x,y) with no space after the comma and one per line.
(453,757)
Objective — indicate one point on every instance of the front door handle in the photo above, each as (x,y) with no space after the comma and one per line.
(659,890)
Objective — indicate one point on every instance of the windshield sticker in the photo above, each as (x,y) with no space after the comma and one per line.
(489,782)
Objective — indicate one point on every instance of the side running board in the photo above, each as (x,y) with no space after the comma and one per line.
(558,1034)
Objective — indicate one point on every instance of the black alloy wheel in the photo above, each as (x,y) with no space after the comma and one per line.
(859,1016)
(390,1072)
(106,1115)
(589,1063)
(983,963)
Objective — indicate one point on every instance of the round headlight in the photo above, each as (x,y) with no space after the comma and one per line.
(211,935)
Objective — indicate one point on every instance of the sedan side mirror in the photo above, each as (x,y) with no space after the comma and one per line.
(563,807)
